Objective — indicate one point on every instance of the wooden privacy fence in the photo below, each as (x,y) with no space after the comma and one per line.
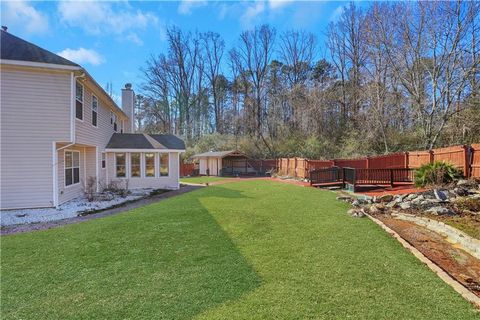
(465,158)
(187,169)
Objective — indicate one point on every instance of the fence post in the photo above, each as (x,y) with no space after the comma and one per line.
(432,158)
(406,160)
(295,168)
(306,169)
(465,161)
(368,162)
(391,178)
(343,178)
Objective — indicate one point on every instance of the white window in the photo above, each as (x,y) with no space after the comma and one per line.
(79,101)
(149,164)
(72,167)
(104,161)
(163,164)
(111,117)
(94,110)
(135,165)
(120,165)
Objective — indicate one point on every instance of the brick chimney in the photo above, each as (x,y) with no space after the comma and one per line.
(128,106)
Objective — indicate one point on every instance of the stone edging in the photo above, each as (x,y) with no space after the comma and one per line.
(453,235)
(457,286)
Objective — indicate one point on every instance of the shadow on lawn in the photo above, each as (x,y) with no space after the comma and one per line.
(168,260)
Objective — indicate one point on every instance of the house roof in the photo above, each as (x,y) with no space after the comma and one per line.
(145,141)
(14,48)
(219,154)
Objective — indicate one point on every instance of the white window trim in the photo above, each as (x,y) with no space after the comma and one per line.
(65,167)
(160,164)
(141,169)
(154,165)
(91,122)
(83,101)
(126,165)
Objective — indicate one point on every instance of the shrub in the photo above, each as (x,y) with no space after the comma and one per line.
(90,188)
(437,173)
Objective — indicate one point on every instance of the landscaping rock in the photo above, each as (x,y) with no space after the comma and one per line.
(439,210)
(405,205)
(411,196)
(356,203)
(441,195)
(461,191)
(462,182)
(392,204)
(385,198)
(345,198)
(356,213)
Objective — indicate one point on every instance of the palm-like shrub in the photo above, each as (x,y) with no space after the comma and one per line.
(436,173)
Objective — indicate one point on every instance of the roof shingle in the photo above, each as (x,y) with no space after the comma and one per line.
(145,141)
(14,48)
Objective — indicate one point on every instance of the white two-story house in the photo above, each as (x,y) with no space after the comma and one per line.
(60,129)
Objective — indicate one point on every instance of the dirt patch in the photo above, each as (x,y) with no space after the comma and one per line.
(456,262)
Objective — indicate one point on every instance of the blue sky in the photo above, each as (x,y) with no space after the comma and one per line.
(112,40)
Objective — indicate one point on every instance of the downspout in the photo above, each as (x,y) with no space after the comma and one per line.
(73,80)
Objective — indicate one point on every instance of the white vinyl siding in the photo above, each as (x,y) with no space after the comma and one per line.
(35,111)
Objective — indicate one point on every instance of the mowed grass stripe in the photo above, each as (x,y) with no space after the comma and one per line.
(246,250)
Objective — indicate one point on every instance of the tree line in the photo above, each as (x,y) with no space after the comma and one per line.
(394,76)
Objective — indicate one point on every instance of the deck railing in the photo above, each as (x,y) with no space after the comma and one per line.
(355,176)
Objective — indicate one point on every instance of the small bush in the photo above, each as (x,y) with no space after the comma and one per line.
(90,188)
(435,174)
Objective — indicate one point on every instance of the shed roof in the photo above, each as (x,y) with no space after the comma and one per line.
(219,154)
(145,141)
(14,48)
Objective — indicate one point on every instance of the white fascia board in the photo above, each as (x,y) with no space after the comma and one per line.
(145,150)
(38,64)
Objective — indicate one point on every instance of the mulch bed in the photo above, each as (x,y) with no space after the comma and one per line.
(460,265)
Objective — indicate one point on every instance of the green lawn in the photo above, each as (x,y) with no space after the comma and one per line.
(203,179)
(247,250)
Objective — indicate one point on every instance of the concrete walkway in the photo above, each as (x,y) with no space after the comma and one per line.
(107,212)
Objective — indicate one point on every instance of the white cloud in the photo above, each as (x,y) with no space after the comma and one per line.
(278,4)
(103,18)
(21,15)
(82,55)
(187,6)
(337,13)
(251,14)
